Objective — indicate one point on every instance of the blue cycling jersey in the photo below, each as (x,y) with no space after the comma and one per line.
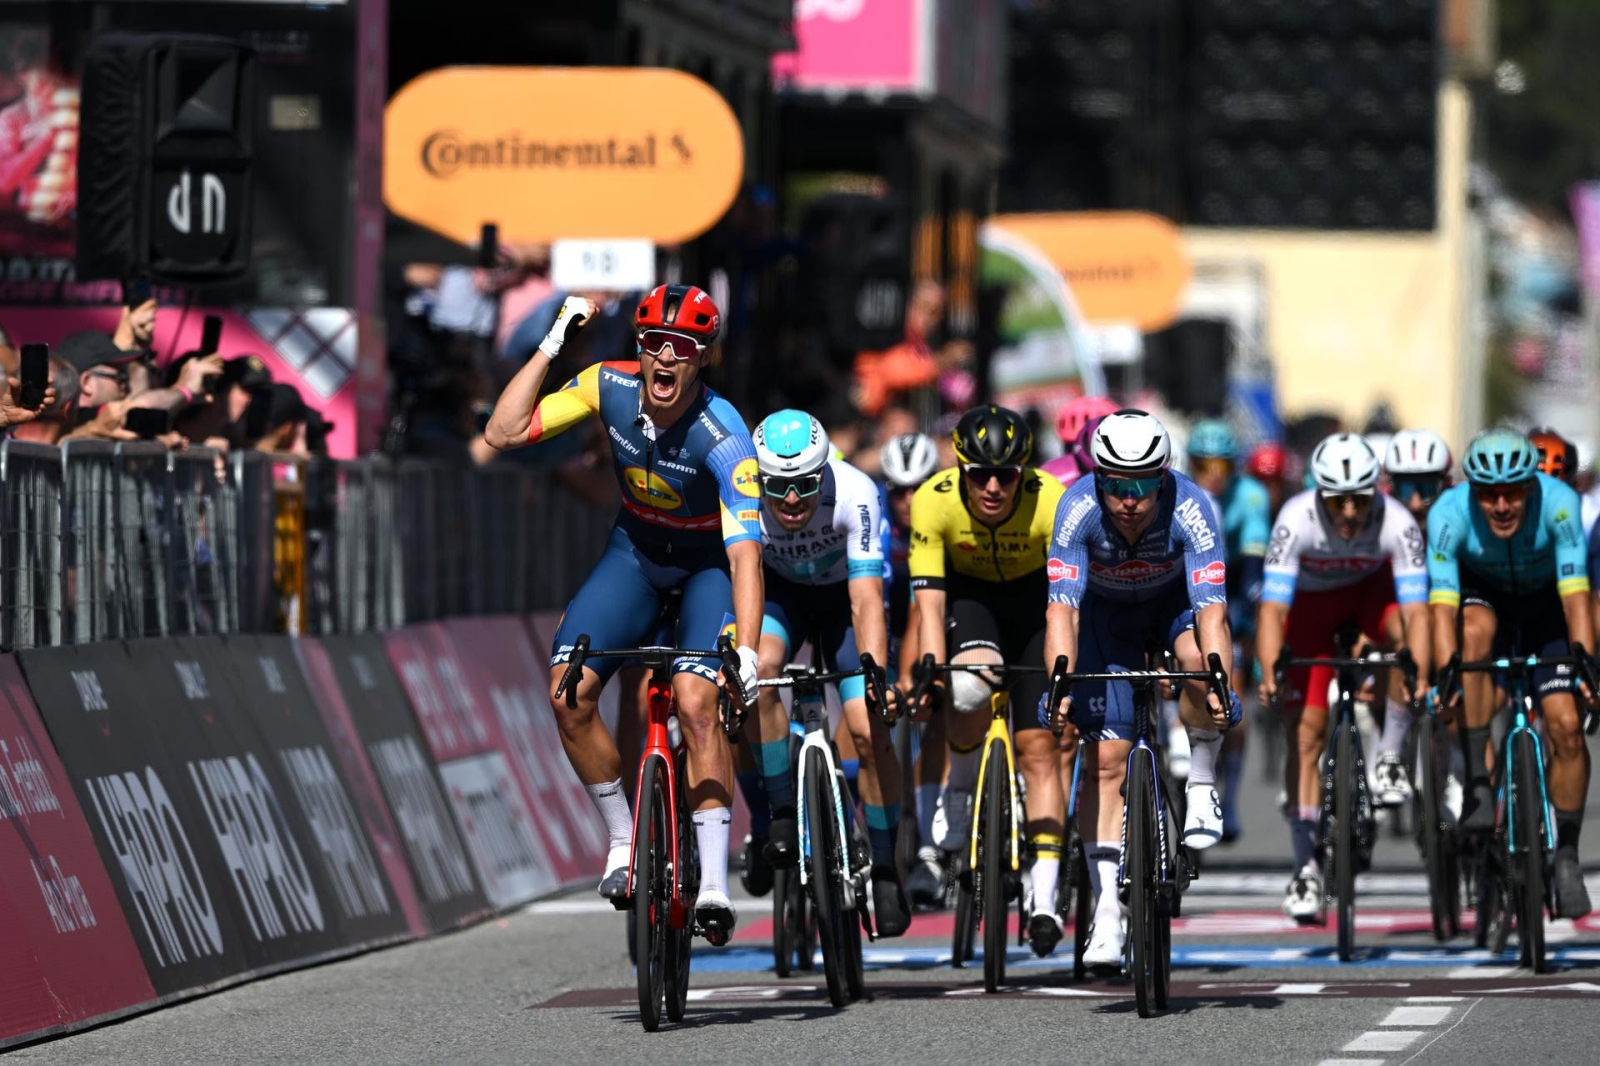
(1548,549)
(1246,517)
(1182,544)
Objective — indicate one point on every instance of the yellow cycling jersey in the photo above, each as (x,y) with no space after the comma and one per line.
(946,540)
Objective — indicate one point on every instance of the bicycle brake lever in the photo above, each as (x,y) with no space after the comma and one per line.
(1058,692)
(567,690)
(730,667)
(873,677)
(1219,681)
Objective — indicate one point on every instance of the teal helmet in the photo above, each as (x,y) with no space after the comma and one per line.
(1212,438)
(1500,457)
(790,443)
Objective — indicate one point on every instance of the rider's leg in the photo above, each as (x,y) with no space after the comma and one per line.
(931,766)
(1202,825)
(1230,762)
(768,731)
(1478,624)
(1305,722)
(970,697)
(1039,760)
(594,758)
(1568,782)
(850,763)
(1105,766)
(633,710)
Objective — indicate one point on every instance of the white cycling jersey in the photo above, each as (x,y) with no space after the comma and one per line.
(1308,552)
(844,538)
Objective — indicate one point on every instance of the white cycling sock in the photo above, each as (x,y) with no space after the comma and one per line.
(1204,744)
(1045,872)
(1104,858)
(1396,720)
(613,807)
(927,805)
(711,833)
(963,770)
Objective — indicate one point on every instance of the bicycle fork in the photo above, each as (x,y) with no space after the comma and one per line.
(816,742)
(1142,750)
(997,731)
(1508,791)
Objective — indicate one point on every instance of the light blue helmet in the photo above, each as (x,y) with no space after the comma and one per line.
(1212,438)
(791,443)
(1500,457)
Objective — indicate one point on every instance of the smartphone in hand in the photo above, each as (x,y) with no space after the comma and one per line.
(211,335)
(147,423)
(35,374)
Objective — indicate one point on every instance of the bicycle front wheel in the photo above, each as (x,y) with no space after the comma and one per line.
(823,835)
(994,864)
(1431,834)
(1143,939)
(687,876)
(652,891)
(966,923)
(1527,865)
(906,843)
(1344,837)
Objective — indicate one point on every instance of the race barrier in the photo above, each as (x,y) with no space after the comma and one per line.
(181,814)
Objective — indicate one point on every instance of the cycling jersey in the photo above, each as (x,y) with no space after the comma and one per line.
(692,486)
(843,539)
(1064,468)
(947,541)
(896,567)
(1182,543)
(1549,548)
(1246,518)
(1307,551)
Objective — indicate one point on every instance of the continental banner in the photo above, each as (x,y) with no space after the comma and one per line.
(471,752)
(67,956)
(365,710)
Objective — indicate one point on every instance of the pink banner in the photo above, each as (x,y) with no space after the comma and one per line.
(854,44)
(1585,198)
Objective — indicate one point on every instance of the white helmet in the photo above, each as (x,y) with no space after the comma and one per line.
(1130,442)
(791,443)
(1344,462)
(1417,451)
(909,460)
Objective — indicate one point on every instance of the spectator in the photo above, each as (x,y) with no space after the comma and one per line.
(102,367)
(49,423)
(136,329)
(895,421)
(881,377)
(286,413)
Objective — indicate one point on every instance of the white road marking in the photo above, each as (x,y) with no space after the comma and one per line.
(1384,1040)
(1351,1062)
(1416,1016)
(1434,999)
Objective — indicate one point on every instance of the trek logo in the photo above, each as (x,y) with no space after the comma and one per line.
(1194,522)
(1060,570)
(1214,573)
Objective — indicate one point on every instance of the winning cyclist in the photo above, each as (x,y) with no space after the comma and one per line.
(1339,552)
(1074,421)
(1504,550)
(908,461)
(1136,553)
(1246,526)
(689,520)
(980,533)
(823,536)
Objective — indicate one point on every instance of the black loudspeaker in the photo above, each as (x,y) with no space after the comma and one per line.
(857,268)
(1188,364)
(167,137)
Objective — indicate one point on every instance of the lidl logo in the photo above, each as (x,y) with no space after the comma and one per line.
(730,629)
(651,489)
(747,478)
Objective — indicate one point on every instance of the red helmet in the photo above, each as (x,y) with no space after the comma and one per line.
(1267,461)
(1078,412)
(682,309)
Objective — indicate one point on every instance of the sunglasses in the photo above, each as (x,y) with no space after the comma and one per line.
(119,376)
(1490,493)
(802,486)
(656,342)
(980,475)
(1336,500)
(1129,488)
(1425,487)
(1211,464)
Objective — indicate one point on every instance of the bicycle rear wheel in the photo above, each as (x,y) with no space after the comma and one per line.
(823,833)
(966,923)
(1344,836)
(1527,865)
(905,852)
(994,866)
(1082,914)
(652,891)
(1140,860)
(1431,833)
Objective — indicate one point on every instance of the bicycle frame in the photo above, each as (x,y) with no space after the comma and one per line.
(658,745)
(811,713)
(999,729)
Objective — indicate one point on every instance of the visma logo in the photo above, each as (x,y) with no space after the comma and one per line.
(652,489)
(747,478)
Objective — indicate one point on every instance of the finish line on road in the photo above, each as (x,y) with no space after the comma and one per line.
(1200,991)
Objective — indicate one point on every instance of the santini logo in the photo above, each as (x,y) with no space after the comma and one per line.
(445,153)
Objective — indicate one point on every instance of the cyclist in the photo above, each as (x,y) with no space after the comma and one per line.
(689,520)
(1073,424)
(1503,550)
(1137,550)
(908,461)
(823,548)
(980,533)
(1268,463)
(1339,552)
(1246,526)
(1558,456)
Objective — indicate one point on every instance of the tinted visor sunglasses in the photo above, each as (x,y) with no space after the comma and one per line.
(1427,487)
(980,475)
(779,487)
(656,342)
(1128,488)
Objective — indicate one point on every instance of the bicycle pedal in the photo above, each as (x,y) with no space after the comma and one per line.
(715,937)
(622,903)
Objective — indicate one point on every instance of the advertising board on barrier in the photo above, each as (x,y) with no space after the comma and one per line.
(66,953)
(361,701)
(467,745)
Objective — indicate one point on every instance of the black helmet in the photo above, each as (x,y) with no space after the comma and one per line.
(993,436)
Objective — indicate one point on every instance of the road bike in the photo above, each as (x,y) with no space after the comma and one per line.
(1154,871)
(1347,826)
(794,923)
(1507,869)
(1436,833)
(664,869)
(833,870)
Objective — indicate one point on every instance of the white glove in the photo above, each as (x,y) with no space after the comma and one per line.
(575,311)
(748,673)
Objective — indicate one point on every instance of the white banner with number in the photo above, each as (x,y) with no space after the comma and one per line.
(612,266)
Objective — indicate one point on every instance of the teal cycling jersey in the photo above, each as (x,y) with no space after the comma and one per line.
(1549,548)
(1246,517)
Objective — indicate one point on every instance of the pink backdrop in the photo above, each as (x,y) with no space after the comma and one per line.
(853,44)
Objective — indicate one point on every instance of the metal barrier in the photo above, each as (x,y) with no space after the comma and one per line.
(102,541)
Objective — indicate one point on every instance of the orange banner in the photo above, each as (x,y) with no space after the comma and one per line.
(550,153)
(1122,266)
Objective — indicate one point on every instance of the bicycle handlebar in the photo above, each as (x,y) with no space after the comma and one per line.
(655,655)
(1450,673)
(1401,660)
(869,671)
(1062,679)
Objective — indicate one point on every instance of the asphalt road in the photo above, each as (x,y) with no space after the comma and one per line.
(553,984)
